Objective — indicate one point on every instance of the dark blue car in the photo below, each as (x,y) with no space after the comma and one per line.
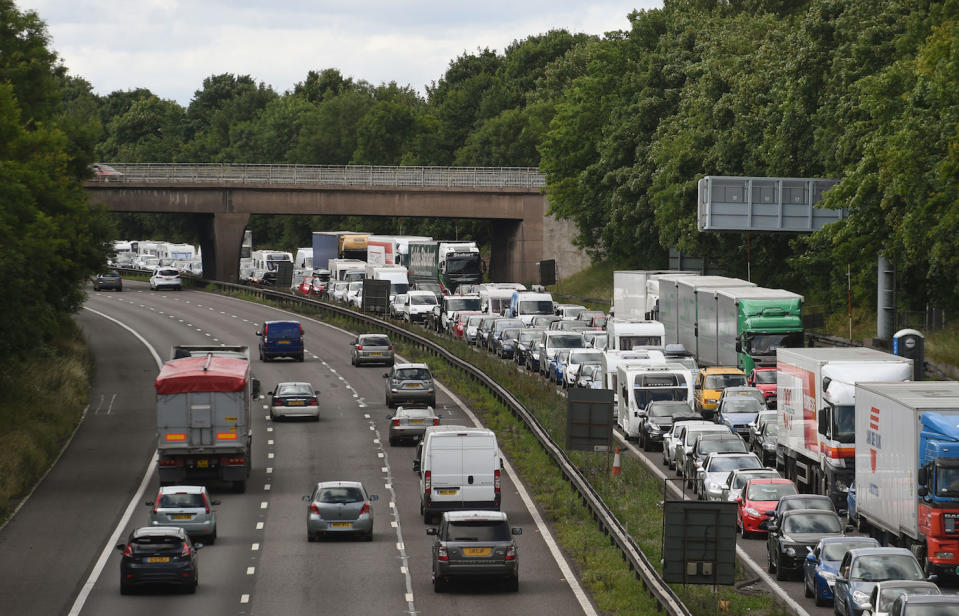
(281,339)
(822,565)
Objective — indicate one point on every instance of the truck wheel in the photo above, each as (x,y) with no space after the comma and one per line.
(239,486)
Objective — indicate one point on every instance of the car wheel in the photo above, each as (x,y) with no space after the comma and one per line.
(780,573)
(392,442)
(125,589)
(439,584)
(191,586)
(514,584)
(770,567)
(239,486)
(211,539)
(642,441)
(805,588)
(819,599)
(835,607)
(368,536)
(352,360)
(742,529)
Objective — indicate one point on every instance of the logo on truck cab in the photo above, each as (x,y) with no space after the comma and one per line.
(873,438)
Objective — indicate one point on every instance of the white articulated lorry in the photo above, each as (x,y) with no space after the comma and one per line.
(907,467)
(816,390)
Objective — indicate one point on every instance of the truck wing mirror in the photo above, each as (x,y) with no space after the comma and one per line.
(739,347)
(923,477)
(922,491)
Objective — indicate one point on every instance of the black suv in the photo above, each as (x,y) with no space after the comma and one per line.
(474,544)
(793,535)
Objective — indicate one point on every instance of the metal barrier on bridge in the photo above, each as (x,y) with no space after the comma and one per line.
(328,175)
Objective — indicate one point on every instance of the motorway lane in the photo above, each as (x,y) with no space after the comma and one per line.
(290,574)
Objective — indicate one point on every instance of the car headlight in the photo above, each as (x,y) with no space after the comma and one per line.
(790,550)
(653,427)
(769,446)
(752,512)
(860,597)
(712,486)
(944,555)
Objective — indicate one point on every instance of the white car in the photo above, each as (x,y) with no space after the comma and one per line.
(671,439)
(340,287)
(398,306)
(166,277)
(574,360)
(354,295)
(417,305)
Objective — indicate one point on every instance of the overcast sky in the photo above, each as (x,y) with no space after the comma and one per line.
(170,46)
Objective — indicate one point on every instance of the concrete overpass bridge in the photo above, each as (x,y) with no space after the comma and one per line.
(223,196)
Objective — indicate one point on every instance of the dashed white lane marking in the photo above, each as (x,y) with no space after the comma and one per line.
(399,546)
(409,597)
(269,455)
(269,442)
(250,570)
(266,487)
(366,415)
(376,441)
(394,525)
(402,569)
(269,429)
(264,504)
(388,486)
(379,455)
(244,598)
(233,316)
(384,469)
(259,525)
(255,547)
(269,469)
(372,427)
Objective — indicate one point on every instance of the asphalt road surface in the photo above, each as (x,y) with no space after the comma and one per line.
(57,556)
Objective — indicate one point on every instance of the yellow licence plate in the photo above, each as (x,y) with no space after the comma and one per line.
(204,463)
(477,551)
(412,386)
(182,516)
(296,403)
(416,421)
(376,355)
(447,491)
(283,342)
(341,524)
(158,559)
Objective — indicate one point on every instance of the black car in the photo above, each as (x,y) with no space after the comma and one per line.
(801,501)
(110,279)
(158,555)
(658,418)
(764,443)
(528,338)
(792,533)
(505,344)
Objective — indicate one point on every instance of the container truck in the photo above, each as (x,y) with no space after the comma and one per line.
(743,326)
(204,426)
(907,468)
(353,246)
(451,264)
(636,292)
(816,413)
(679,300)
(391,249)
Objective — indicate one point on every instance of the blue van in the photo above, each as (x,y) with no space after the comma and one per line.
(281,339)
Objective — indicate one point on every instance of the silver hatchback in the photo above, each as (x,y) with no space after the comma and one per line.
(371,349)
(339,507)
(410,383)
(410,423)
(187,507)
(474,544)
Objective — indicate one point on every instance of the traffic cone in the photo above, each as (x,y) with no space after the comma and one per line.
(616,469)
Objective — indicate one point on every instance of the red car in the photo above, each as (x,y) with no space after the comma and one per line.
(758,497)
(764,379)
(459,327)
(305,288)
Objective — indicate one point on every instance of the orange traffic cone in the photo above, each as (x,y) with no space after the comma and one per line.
(616,469)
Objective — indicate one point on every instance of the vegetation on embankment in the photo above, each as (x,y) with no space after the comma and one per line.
(44,397)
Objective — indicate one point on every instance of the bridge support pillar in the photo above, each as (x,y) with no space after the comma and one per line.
(221,236)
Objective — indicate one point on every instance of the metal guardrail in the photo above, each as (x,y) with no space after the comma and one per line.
(607,521)
(327,175)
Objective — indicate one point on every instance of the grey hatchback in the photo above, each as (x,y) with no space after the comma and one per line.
(188,507)
(339,507)
(410,422)
(470,544)
(371,349)
(109,279)
(410,383)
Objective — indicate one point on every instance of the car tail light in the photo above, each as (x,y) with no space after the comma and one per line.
(389,348)
(185,550)
(128,551)
(156,503)
(301,330)
(396,422)
(314,508)
(436,421)
(441,553)
(206,504)
(511,553)
(313,402)
(496,481)
(365,508)
(427,482)
(279,402)
(359,347)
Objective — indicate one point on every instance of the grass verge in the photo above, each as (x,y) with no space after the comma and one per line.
(634,497)
(44,397)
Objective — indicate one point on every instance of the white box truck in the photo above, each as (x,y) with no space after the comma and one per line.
(636,292)
(816,393)
(907,467)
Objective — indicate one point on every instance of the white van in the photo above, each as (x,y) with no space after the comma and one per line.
(459,469)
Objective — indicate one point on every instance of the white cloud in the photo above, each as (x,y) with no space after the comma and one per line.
(170,46)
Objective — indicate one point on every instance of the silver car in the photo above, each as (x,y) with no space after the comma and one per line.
(371,349)
(474,544)
(187,507)
(410,383)
(294,399)
(410,423)
(339,507)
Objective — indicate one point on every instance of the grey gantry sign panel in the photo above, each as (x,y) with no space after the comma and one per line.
(589,419)
(699,542)
(764,204)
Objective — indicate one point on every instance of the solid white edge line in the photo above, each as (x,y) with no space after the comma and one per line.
(777,590)
(561,562)
(134,502)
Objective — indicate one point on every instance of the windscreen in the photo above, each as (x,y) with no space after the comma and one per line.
(741,405)
(731,463)
(724,445)
(811,523)
(469,263)
(769,491)
(474,321)
(454,304)
(844,424)
(412,374)
(340,494)
(639,342)
(766,344)
(423,300)
(565,341)
(885,567)
(378,341)
(573,312)
(582,357)
(498,304)
(181,500)
(934,610)
(836,551)
(399,287)
(528,335)
(766,377)
(807,503)
(722,381)
(478,531)
(889,595)
(542,307)
(294,389)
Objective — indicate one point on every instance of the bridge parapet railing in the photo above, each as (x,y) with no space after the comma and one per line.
(328,175)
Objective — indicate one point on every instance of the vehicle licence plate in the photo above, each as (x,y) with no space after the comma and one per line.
(477,551)
(283,342)
(376,355)
(182,516)
(341,524)
(203,463)
(412,386)
(447,491)
(416,421)
(158,559)
(296,403)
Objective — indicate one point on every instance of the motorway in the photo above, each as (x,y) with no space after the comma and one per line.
(57,555)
